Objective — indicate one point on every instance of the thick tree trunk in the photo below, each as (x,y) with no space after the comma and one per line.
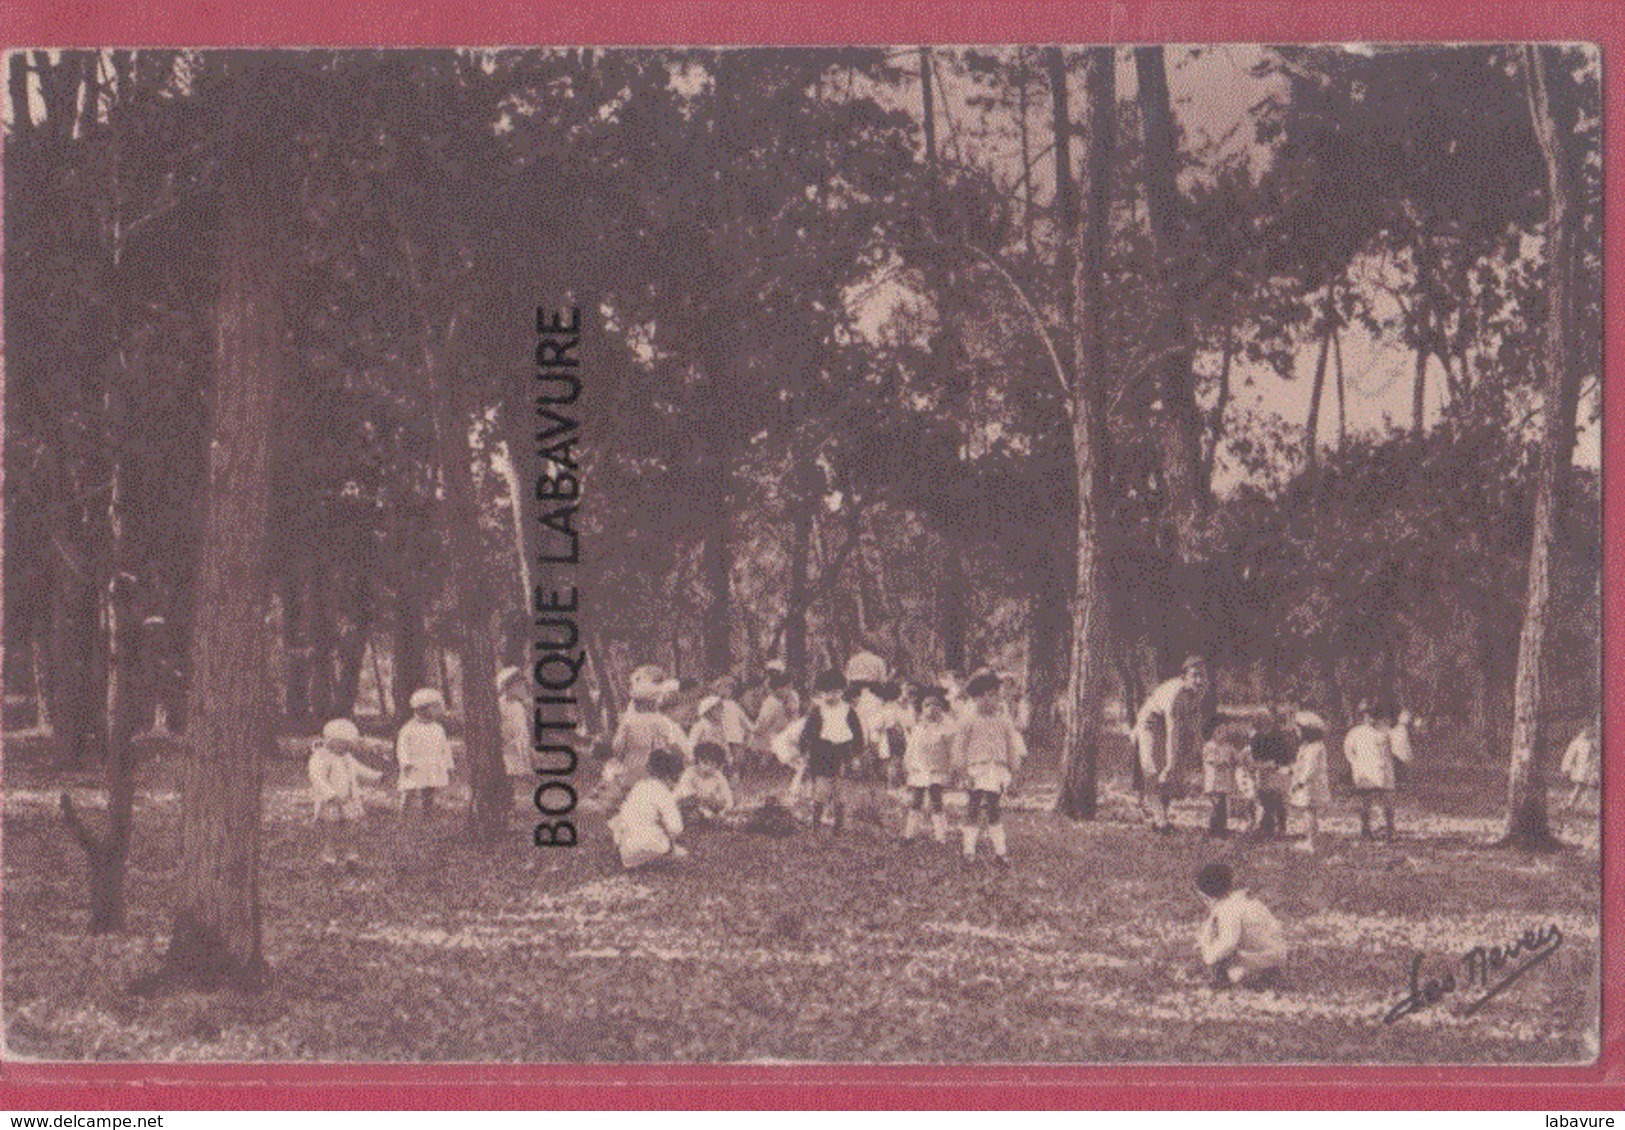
(1180,435)
(475,612)
(216,934)
(1527,825)
(1086,325)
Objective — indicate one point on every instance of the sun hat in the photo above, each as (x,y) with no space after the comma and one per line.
(426,696)
(341,730)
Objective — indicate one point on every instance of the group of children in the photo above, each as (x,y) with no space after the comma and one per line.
(1280,759)
(858,733)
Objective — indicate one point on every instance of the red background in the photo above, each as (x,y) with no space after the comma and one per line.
(375,23)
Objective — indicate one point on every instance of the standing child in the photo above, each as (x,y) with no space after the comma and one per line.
(703,792)
(1240,941)
(830,739)
(734,721)
(643,728)
(648,823)
(1311,781)
(513,700)
(1273,750)
(1582,766)
(335,788)
(987,752)
(423,751)
(1221,754)
(780,707)
(928,763)
(1370,754)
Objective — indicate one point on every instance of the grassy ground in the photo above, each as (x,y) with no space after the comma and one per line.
(811,948)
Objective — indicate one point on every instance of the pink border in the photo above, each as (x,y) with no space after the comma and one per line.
(207,23)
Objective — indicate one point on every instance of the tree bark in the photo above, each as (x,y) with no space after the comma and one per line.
(952,601)
(1419,392)
(1527,824)
(216,933)
(1180,437)
(1311,439)
(717,567)
(1085,322)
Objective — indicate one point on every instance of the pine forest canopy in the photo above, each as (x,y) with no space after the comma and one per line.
(849,354)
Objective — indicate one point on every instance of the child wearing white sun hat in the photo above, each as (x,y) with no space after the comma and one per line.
(423,751)
(336,776)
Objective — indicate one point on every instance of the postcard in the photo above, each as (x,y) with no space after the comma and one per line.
(1005,555)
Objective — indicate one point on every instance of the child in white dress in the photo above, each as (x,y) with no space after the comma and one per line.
(423,752)
(336,776)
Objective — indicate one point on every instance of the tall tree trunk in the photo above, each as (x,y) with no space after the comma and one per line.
(1085,322)
(411,599)
(353,650)
(216,934)
(319,625)
(1311,439)
(1527,825)
(951,603)
(296,642)
(1180,437)
(805,506)
(716,565)
(107,853)
(1419,392)
(1342,406)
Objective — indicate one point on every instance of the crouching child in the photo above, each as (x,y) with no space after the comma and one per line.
(1241,942)
(703,793)
(648,823)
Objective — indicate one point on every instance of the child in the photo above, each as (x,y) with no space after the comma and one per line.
(734,721)
(1220,755)
(780,707)
(643,728)
(513,700)
(987,753)
(648,823)
(1273,751)
(711,727)
(703,792)
(1581,766)
(335,788)
(890,733)
(928,763)
(1240,941)
(830,739)
(423,751)
(1370,755)
(1311,783)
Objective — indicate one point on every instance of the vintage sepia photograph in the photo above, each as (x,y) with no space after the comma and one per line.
(862,555)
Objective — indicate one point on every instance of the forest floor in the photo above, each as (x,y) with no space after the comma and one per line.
(810,948)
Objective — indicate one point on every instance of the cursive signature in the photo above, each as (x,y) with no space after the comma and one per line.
(1488,969)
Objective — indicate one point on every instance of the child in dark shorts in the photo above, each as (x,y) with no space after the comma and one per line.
(831,738)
